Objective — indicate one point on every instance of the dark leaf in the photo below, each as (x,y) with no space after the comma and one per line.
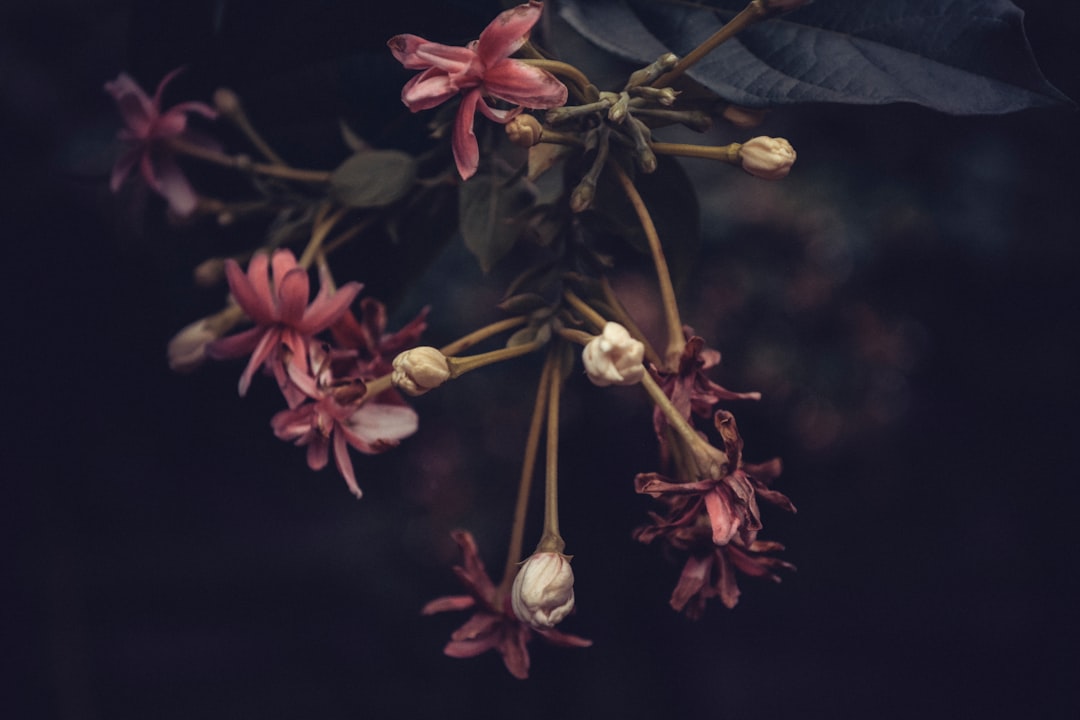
(373,178)
(491,208)
(961,56)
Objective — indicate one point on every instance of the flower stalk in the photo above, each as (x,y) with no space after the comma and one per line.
(752,13)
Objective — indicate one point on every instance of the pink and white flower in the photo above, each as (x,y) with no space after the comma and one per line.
(481,70)
(148,132)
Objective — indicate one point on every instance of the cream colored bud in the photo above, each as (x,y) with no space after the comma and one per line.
(210,272)
(543,592)
(766,157)
(613,357)
(187,349)
(418,370)
(524,131)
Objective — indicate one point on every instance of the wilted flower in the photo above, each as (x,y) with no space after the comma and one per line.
(613,357)
(481,70)
(493,626)
(543,592)
(420,369)
(274,293)
(766,157)
(147,134)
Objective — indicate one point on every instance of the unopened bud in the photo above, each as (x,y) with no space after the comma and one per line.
(210,272)
(418,370)
(766,157)
(524,131)
(187,349)
(742,117)
(613,357)
(543,592)
(226,102)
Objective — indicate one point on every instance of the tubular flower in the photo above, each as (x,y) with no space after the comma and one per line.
(493,626)
(147,134)
(479,71)
(274,293)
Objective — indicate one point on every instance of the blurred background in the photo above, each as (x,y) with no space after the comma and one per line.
(905,301)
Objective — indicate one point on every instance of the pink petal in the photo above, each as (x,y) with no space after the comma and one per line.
(263,351)
(236,345)
(507,32)
(251,291)
(344,464)
(192,106)
(378,422)
(170,124)
(174,187)
(428,89)
(293,292)
(469,648)
(123,167)
(479,625)
(450,602)
(318,451)
(416,53)
(515,654)
(466,150)
(164,82)
(556,637)
(524,84)
(327,308)
(137,110)
(725,522)
(692,579)
(496,114)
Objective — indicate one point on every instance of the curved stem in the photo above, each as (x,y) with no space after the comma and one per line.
(667,290)
(622,316)
(563,70)
(461,365)
(594,318)
(674,418)
(477,336)
(528,470)
(244,164)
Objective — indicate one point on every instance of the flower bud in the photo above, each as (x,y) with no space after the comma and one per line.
(766,157)
(187,349)
(418,370)
(543,592)
(613,357)
(210,272)
(524,131)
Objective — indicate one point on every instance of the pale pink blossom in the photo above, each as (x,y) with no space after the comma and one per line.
(274,293)
(338,416)
(480,71)
(493,625)
(148,132)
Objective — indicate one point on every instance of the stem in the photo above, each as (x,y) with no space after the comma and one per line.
(675,419)
(322,226)
(563,70)
(576,336)
(590,315)
(528,470)
(230,106)
(477,336)
(624,318)
(723,153)
(461,365)
(550,539)
(245,164)
(667,290)
(749,15)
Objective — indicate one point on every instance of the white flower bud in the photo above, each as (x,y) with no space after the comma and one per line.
(766,157)
(543,592)
(613,357)
(418,370)
(187,349)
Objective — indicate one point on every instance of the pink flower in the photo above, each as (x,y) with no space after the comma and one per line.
(147,134)
(375,347)
(493,626)
(481,70)
(274,293)
(339,415)
(710,572)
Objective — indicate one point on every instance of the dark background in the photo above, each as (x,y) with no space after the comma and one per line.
(905,300)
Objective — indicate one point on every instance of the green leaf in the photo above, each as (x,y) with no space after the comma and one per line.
(491,209)
(373,178)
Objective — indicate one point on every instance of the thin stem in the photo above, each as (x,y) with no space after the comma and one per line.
(749,15)
(674,418)
(575,336)
(590,315)
(461,365)
(550,539)
(667,290)
(228,103)
(322,226)
(528,470)
(478,336)
(564,70)
(245,164)
(623,317)
(723,153)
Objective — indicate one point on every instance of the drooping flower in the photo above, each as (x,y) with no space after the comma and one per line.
(274,293)
(338,415)
(147,132)
(480,71)
(543,591)
(493,625)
